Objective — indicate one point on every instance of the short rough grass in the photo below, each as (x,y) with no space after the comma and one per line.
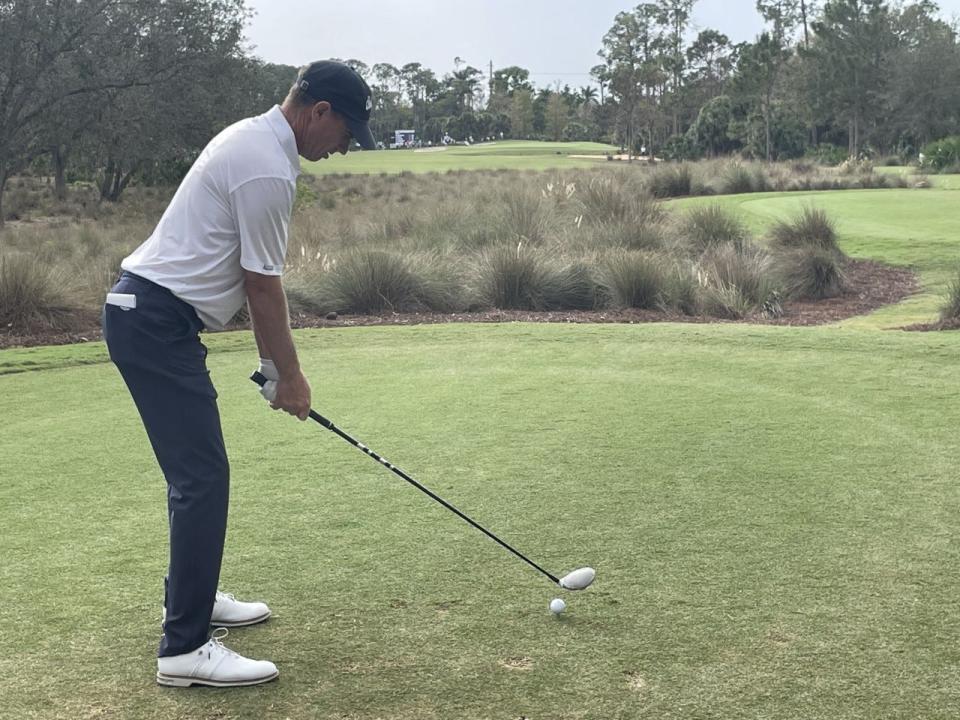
(772,512)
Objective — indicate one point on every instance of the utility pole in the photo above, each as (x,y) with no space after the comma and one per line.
(490,96)
(806,32)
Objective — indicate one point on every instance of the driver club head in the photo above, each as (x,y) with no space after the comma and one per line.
(578,579)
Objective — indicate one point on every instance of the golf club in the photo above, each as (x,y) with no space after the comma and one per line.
(576,580)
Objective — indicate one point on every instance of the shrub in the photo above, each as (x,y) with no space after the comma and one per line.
(736,180)
(941,155)
(573,287)
(513,278)
(739,178)
(736,281)
(671,181)
(682,289)
(367,282)
(856,166)
(708,226)
(100,274)
(634,279)
(828,154)
(91,241)
(606,199)
(811,228)
(632,236)
(725,301)
(810,273)
(950,310)
(524,216)
(346,286)
(442,283)
(680,147)
(32,294)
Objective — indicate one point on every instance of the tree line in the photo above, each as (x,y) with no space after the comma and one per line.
(851,77)
(111,90)
(842,78)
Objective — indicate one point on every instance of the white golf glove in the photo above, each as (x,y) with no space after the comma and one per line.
(269,371)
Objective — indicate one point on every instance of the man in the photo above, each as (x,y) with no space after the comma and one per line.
(221,242)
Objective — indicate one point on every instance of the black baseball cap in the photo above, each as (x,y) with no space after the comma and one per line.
(347,92)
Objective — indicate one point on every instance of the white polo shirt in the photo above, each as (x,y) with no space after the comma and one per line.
(231,213)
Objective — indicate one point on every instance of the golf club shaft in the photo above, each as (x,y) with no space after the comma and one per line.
(314,415)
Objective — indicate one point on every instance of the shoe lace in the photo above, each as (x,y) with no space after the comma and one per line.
(215,643)
(226,596)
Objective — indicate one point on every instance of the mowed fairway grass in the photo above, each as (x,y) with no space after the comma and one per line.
(773,515)
(499,155)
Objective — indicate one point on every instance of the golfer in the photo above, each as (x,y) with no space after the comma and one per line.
(221,242)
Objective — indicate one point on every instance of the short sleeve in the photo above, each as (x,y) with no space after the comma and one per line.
(261,209)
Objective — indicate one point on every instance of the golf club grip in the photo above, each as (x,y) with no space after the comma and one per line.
(259,379)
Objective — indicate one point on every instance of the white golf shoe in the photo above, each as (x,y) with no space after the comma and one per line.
(230,612)
(215,665)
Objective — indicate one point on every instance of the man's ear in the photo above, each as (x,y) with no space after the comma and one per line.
(320,108)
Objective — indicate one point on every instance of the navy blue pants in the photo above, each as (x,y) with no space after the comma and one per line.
(156,346)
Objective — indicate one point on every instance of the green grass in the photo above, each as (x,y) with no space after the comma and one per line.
(501,155)
(916,228)
(943,182)
(772,512)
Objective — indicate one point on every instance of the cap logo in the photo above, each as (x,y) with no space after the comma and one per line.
(369,103)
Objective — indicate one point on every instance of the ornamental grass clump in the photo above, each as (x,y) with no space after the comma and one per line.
(810,273)
(681,290)
(736,282)
(627,235)
(612,199)
(738,178)
(572,287)
(32,295)
(634,279)
(811,228)
(671,181)
(524,216)
(950,310)
(512,277)
(710,226)
(369,282)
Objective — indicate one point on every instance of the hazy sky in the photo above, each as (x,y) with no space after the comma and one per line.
(555,40)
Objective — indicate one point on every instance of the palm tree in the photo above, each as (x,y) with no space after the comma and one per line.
(586,94)
(464,84)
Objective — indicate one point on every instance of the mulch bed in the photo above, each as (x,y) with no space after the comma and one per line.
(871,285)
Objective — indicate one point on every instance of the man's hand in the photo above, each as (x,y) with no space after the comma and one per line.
(270,372)
(288,390)
(292,395)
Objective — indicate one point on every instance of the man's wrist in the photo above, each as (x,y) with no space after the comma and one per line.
(269,369)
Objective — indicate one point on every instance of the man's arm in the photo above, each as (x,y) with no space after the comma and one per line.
(271,328)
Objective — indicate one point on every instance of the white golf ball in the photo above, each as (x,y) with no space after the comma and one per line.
(557,606)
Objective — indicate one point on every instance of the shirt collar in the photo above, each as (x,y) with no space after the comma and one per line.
(281,128)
